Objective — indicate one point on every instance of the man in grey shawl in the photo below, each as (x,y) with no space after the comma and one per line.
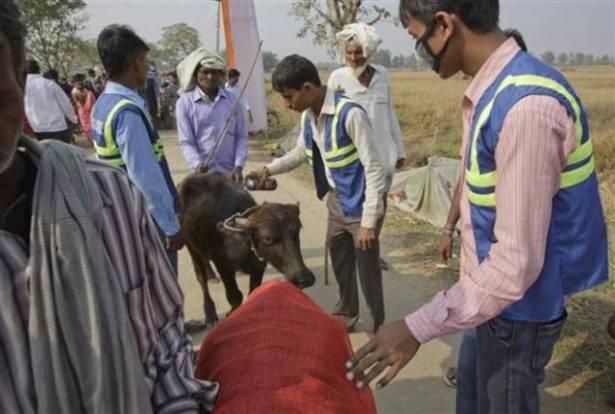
(91,318)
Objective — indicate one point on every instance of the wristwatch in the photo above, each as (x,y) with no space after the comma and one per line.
(448,230)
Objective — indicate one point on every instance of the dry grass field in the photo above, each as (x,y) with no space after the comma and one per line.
(429,112)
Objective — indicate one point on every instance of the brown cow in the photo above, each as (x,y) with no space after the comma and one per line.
(222,223)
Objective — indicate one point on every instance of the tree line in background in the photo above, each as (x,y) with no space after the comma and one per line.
(54,39)
(385,58)
(54,28)
(577,58)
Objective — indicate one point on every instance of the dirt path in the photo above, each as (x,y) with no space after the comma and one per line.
(418,388)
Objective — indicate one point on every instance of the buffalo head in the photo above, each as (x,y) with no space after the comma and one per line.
(270,232)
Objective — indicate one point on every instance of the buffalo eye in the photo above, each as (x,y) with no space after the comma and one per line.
(267,240)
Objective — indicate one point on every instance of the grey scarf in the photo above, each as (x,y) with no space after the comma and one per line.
(83,350)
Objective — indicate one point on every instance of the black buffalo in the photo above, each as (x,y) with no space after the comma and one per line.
(222,223)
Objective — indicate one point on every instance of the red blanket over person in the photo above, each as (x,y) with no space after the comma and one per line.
(280,353)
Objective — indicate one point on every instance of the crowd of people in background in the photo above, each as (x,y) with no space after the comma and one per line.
(82,88)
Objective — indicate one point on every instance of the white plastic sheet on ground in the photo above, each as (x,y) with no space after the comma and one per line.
(427,192)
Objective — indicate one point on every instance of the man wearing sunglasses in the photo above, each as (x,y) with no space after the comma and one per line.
(532,223)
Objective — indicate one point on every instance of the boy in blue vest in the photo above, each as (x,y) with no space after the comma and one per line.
(336,138)
(124,134)
(533,228)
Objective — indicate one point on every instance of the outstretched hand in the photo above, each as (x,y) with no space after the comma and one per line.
(390,349)
(261,176)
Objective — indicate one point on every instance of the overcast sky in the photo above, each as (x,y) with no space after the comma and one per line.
(559,25)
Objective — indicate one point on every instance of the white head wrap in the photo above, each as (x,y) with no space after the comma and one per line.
(364,34)
(201,56)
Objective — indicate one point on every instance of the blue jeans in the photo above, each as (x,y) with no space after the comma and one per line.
(511,357)
(466,401)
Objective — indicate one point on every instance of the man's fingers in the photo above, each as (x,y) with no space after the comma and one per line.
(365,350)
(376,370)
(391,373)
(364,364)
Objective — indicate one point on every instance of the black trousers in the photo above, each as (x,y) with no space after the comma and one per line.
(346,258)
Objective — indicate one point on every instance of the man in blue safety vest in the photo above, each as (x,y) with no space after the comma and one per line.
(348,164)
(124,134)
(533,229)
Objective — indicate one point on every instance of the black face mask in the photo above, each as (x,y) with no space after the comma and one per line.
(424,51)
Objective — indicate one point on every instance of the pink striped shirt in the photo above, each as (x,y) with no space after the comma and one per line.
(536,137)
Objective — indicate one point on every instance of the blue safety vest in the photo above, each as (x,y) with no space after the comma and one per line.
(104,124)
(341,157)
(576,255)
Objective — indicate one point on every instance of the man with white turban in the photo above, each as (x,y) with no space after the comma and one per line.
(368,84)
(201,114)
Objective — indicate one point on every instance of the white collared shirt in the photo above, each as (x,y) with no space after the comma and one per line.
(46,105)
(377,102)
(370,154)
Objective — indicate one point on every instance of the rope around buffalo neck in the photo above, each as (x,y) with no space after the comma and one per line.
(230,227)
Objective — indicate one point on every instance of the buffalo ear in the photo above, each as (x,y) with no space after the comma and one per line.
(295,208)
(220,227)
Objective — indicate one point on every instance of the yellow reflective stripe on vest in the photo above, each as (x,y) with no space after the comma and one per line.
(339,152)
(110,153)
(344,162)
(111,149)
(158,149)
(336,151)
(568,179)
(578,175)
(529,80)
(483,200)
(481,180)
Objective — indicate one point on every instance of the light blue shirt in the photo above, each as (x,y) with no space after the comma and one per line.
(142,166)
(200,120)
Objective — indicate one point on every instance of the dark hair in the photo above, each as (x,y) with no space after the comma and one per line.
(13,32)
(518,38)
(32,67)
(481,16)
(292,72)
(91,72)
(233,73)
(78,77)
(117,47)
(52,74)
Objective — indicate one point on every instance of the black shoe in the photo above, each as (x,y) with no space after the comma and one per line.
(194,325)
(450,377)
(383,265)
(348,321)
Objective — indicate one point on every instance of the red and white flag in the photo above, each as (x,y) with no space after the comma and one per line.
(241,39)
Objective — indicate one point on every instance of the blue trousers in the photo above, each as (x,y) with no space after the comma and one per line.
(506,362)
